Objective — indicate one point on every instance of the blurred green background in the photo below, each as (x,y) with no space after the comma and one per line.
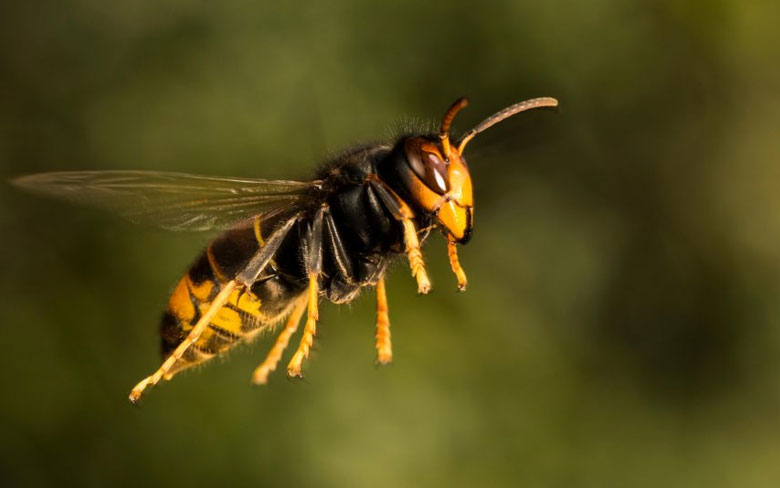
(622,324)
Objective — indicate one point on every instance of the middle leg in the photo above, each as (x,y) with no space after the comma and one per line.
(384,348)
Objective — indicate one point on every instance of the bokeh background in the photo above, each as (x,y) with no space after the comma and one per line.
(622,325)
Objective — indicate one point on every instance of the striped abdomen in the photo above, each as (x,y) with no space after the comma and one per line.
(246,312)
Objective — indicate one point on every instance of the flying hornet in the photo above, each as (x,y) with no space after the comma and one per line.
(287,244)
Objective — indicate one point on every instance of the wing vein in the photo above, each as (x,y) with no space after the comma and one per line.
(175,201)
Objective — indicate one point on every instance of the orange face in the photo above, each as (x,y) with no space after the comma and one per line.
(441,186)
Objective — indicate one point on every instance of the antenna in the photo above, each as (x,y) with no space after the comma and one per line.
(497,117)
(446,123)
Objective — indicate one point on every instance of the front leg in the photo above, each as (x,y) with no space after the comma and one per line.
(401,211)
(452,252)
(414,253)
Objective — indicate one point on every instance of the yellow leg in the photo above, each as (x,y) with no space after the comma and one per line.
(191,339)
(384,348)
(404,214)
(415,256)
(312,314)
(452,251)
(260,376)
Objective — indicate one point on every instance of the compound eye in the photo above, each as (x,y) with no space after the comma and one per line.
(439,170)
(430,168)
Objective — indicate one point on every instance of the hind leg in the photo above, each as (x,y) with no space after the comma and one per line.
(243,280)
(314,268)
(309,331)
(260,376)
(188,341)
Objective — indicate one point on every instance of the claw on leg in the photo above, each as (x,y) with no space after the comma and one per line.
(192,338)
(260,376)
(452,251)
(415,257)
(384,348)
(312,314)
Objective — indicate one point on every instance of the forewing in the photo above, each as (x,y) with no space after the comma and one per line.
(174,201)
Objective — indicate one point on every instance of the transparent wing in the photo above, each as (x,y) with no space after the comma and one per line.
(174,201)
